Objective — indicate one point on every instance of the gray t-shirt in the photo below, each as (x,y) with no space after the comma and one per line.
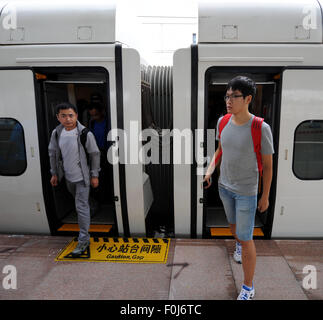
(239,169)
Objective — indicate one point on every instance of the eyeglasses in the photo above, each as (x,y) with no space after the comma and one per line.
(234,96)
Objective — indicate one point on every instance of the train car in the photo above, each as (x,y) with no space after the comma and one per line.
(76,52)
(63,52)
(279,45)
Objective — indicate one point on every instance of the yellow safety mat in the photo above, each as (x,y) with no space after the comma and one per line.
(257,232)
(125,250)
(93,227)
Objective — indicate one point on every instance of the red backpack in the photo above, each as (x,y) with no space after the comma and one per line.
(256,138)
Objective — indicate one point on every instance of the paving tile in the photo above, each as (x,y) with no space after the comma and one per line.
(301,248)
(13,240)
(302,253)
(6,251)
(139,281)
(273,279)
(72,280)
(45,246)
(263,248)
(207,275)
(210,272)
(302,276)
(30,272)
(10,243)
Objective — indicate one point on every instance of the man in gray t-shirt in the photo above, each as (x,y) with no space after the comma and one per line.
(238,181)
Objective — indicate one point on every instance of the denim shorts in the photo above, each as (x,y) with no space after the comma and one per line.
(240,210)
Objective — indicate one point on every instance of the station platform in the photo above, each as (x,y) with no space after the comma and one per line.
(196,269)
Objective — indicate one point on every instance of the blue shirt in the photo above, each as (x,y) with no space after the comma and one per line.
(98,129)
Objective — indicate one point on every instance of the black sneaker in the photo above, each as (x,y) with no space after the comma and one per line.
(80,248)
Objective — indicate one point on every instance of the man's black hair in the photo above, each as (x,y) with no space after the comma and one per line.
(65,106)
(244,84)
(96,106)
(96,97)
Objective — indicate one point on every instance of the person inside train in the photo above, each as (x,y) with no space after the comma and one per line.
(99,126)
(68,158)
(239,172)
(82,105)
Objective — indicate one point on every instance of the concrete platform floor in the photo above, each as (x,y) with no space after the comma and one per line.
(211,273)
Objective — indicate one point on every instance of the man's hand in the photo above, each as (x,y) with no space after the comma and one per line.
(263,204)
(94,182)
(54,181)
(207,178)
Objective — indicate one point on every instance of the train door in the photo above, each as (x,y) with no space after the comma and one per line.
(87,90)
(21,195)
(298,210)
(264,105)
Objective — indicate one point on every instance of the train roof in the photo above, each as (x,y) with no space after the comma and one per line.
(265,21)
(61,22)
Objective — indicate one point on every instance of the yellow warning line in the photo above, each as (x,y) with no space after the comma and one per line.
(93,227)
(257,232)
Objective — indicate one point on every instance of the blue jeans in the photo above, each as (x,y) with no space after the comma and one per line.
(240,210)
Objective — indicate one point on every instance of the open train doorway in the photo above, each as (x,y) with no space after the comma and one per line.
(264,105)
(88,90)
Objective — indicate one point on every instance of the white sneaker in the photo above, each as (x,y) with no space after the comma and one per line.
(237,253)
(246,293)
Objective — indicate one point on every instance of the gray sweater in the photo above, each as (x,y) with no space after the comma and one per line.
(55,156)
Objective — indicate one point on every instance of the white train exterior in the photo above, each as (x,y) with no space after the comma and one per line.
(279,44)
(57,49)
(83,39)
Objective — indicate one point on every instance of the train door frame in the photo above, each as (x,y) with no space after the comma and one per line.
(267,228)
(48,196)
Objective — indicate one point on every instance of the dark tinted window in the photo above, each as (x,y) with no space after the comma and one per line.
(308,150)
(12,148)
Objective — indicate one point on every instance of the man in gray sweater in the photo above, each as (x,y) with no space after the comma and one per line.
(68,158)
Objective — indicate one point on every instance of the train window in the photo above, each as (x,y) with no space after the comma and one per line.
(308,150)
(12,148)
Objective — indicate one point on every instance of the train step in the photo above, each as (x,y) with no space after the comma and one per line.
(93,227)
(222,232)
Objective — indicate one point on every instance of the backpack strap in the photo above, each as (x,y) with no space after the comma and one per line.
(59,150)
(256,137)
(222,124)
(83,138)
